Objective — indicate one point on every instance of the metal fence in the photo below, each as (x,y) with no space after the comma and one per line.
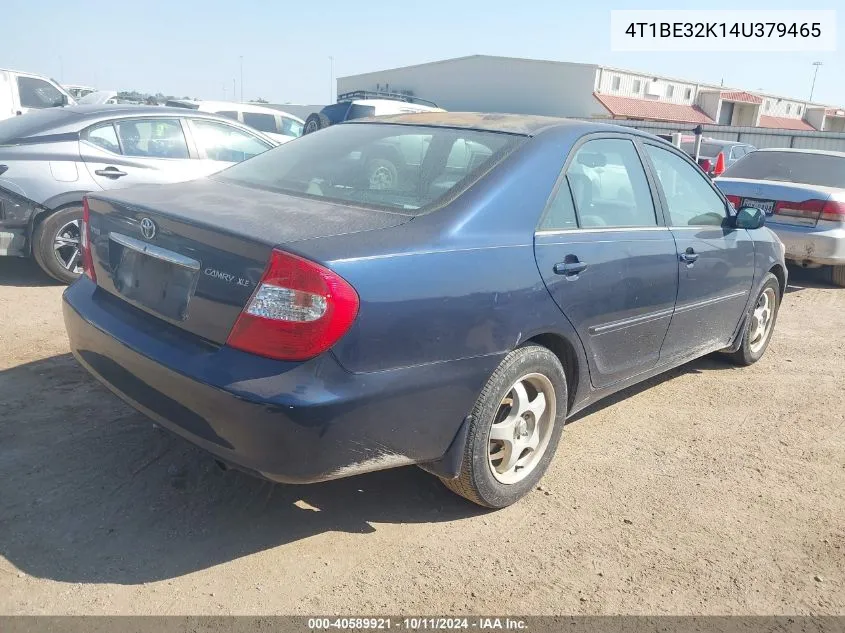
(758,137)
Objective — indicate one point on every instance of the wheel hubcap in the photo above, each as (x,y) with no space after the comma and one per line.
(66,247)
(381,178)
(522,428)
(761,320)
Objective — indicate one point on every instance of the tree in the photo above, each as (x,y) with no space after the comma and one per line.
(259,100)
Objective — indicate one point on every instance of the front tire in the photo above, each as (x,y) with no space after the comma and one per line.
(55,244)
(515,427)
(760,324)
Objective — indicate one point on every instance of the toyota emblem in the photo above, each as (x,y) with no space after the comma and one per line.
(148,228)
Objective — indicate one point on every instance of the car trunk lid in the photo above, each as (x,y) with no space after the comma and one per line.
(193,253)
(783,202)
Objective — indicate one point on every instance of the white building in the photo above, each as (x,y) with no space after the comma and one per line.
(529,86)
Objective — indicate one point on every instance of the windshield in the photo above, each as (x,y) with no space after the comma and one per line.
(708,150)
(33,123)
(379,165)
(821,170)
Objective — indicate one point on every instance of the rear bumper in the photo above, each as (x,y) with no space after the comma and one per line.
(288,422)
(814,245)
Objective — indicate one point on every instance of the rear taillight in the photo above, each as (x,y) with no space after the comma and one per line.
(299,310)
(85,242)
(830,210)
(734,200)
(719,169)
(705,164)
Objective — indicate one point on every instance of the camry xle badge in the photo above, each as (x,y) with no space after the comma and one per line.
(148,228)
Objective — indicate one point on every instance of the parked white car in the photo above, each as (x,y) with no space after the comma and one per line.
(278,125)
(21,92)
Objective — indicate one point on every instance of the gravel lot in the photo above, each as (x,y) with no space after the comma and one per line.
(710,490)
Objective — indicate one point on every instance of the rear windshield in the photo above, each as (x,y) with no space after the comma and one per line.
(398,167)
(805,168)
(708,150)
(33,123)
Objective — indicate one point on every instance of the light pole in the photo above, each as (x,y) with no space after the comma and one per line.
(234,94)
(815,74)
(242,78)
(331,79)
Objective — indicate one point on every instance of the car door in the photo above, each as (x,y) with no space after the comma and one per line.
(221,145)
(127,152)
(715,261)
(607,260)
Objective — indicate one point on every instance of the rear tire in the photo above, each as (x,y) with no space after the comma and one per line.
(485,477)
(837,276)
(62,262)
(760,324)
(316,121)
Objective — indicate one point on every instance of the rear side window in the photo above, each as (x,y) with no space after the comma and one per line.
(152,138)
(226,143)
(291,127)
(560,214)
(822,170)
(360,111)
(260,121)
(229,114)
(609,185)
(336,112)
(104,137)
(384,166)
(37,93)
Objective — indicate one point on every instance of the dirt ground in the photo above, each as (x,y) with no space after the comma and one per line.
(710,490)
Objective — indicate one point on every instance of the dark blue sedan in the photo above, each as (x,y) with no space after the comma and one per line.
(436,289)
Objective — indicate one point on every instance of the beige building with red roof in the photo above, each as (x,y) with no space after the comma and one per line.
(530,86)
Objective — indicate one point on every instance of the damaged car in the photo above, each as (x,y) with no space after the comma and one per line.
(303,322)
(51,158)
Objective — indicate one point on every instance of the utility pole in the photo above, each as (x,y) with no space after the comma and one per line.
(242,78)
(815,74)
(331,80)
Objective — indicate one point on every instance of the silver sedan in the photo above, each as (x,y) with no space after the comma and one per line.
(802,192)
(50,159)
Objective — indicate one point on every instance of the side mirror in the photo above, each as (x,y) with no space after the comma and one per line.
(749,218)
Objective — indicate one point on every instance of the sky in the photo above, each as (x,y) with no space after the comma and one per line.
(193,47)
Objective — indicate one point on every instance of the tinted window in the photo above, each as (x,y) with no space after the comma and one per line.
(261,122)
(103,136)
(360,111)
(291,127)
(226,143)
(37,93)
(400,167)
(561,211)
(152,138)
(336,112)
(802,167)
(609,185)
(229,114)
(708,150)
(690,197)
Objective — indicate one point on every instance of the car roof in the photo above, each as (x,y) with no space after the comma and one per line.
(712,141)
(792,150)
(524,124)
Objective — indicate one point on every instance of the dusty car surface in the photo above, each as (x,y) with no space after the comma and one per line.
(302,324)
(50,159)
